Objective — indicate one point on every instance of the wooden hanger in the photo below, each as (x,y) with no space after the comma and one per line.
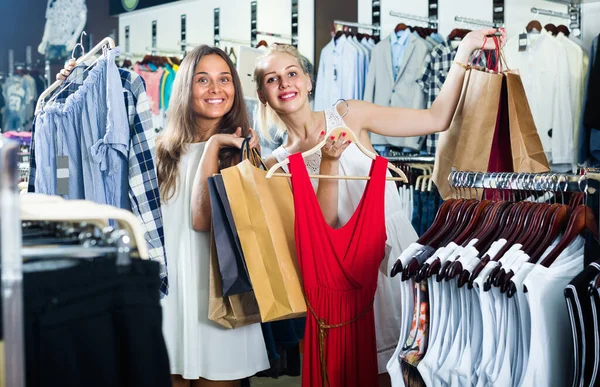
(507,218)
(498,219)
(490,213)
(458,33)
(435,235)
(442,217)
(337,132)
(582,219)
(559,216)
(263,43)
(551,28)
(564,29)
(534,24)
(400,27)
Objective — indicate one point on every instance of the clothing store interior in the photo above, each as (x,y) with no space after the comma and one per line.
(183,201)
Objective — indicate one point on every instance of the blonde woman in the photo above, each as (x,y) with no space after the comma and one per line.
(284,86)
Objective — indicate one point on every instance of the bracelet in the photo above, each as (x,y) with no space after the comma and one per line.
(464,66)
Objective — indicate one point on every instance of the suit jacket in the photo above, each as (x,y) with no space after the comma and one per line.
(382,89)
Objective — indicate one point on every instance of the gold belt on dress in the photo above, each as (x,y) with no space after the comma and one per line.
(323,327)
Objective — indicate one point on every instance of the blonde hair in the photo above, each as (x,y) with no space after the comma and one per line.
(181,128)
(266,115)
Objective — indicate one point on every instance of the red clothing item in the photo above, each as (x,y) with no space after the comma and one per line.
(339,270)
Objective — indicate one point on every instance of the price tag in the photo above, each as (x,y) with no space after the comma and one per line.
(62,175)
(522,42)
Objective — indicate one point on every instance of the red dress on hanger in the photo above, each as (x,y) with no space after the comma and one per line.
(339,270)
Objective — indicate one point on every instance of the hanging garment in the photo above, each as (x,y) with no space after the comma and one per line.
(338,73)
(399,231)
(394,84)
(578,63)
(385,89)
(432,78)
(589,136)
(152,76)
(17,96)
(339,269)
(591,115)
(143,184)
(580,312)
(199,348)
(547,84)
(90,323)
(90,131)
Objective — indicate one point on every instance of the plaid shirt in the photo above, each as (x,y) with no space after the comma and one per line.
(143,182)
(434,73)
(433,76)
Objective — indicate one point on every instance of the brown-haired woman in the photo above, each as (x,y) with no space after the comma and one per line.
(206,125)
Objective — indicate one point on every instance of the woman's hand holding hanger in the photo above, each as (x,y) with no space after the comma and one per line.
(64,73)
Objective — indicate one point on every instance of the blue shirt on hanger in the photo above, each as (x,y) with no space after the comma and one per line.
(398,41)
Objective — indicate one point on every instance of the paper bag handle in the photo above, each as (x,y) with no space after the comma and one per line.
(251,154)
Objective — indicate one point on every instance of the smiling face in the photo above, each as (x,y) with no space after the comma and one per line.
(284,85)
(213,90)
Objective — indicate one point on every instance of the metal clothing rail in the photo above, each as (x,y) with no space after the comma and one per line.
(424,19)
(412,159)
(548,12)
(357,25)
(274,34)
(12,272)
(477,22)
(555,182)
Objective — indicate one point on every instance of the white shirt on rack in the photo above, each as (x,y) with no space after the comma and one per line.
(545,73)
(337,76)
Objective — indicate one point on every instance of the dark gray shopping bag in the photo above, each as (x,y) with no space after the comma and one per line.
(232,266)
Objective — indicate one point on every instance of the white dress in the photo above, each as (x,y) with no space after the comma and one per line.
(400,234)
(198,347)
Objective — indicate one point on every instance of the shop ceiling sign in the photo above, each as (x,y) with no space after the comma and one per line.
(121,6)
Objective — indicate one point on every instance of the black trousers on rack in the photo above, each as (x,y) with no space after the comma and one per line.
(95,324)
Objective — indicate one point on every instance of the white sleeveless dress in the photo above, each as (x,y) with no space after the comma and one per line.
(198,347)
(400,234)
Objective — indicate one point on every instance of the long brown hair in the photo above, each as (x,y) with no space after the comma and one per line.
(181,121)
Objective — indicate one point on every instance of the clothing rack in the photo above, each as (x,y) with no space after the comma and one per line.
(477,22)
(12,272)
(431,21)
(356,25)
(106,42)
(274,34)
(555,182)
(573,13)
(412,159)
(548,12)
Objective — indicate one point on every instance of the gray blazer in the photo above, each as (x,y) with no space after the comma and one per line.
(382,89)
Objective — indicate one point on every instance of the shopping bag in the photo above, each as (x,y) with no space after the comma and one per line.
(467,144)
(230,312)
(263,211)
(232,267)
(526,146)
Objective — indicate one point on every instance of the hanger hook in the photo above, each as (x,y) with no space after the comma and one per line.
(450,181)
(584,178)
(347,106)
(80,44)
